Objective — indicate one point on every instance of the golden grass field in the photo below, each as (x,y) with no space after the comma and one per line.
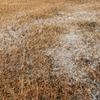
(49,50)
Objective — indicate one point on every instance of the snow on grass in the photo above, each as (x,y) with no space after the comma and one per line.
(78,48)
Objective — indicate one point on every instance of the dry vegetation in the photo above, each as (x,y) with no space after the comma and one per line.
(49,50)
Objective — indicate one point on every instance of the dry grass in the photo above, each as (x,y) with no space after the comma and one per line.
(26,72)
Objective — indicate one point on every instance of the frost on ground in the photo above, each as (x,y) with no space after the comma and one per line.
(77,53)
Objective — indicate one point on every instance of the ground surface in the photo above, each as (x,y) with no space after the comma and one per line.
(50,50)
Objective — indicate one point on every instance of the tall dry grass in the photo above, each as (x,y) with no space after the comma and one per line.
(26,73)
